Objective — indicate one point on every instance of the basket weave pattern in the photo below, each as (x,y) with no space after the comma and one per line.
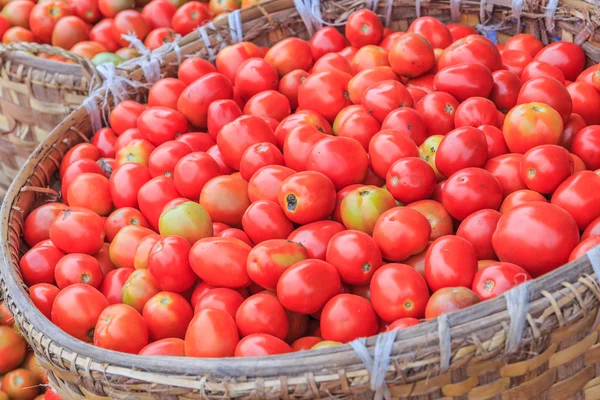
(556,356)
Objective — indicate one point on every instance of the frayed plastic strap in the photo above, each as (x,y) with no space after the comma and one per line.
(206,39)
(221,43)
(377,367)
(149,63)
(455,10)
(482,14)
(418,8)
(235,26)
(549,15)
(177,49)
(517,304)
(305,9)
(517,7)
(389,8)
(445,342)
(372,5)
(91,106)
(594,256)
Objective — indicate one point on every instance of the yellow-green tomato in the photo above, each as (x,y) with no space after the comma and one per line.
(189,220)
(325,344)
(362,206)
(427,151)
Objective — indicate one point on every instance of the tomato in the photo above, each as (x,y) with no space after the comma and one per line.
(17,34)
(305,343)
(362,206)
(166,347)
(157,38)
(129,22)
(123,247)
(585,99)
(326,40)
(16,13)
(13,347)
(441,222)
(159,125)
(232,57)
(306,286)
(538,69)
(536,236)
(520,197)
(153,196)
(548,91)
(478,229)
(524,42)
(410,179)
(531,124)
(77,230)
(515,60)
(167,315)
(125,115)
(20,384)
(135,151)
(401,225)
(90,191)
(126,138)
(113,282)
(69,31)
(192,172)
(190,16)
(264,184)
(38,264)
(461,148)
(188,220)
(121,328)
(258,156)
(361,127)
(138,289)
(573,125)
(438,110)
(307,197)
(433,30)
(169,266)
(402,323)
(579,196)
(383,97)
(347,317)
(409,122)
(42,295)
(505,89)
(449,300)
(268,104)
(195,100)
(544,168)
(584,145)
(226,199)
(37,224)
(216,155)
(464,81)
(224,299)
(411,55)
(568,57)
(583,247)
(159,14)
(260,345)
(470,190)
(89,49)
(76,310)
(236,137)
(363,28)
(355,255)
(389,39)
(221,261)
(290,54)
(166,91)
(78,268)
(255,75)
(300,118)
(506,169)
(289,86)
(211,333)
(450,261)
(126,182)
(388,146)
(78,152)
(265,220)
(362,80)
(44,17)
(316,236)
(472,49)
(326,93)
(262,313)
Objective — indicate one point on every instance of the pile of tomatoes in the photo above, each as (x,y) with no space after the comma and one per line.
(21,376)
(322,191)
(94,28)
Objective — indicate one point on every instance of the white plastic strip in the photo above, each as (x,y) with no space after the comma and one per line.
(206,39)
(418,8)
(235,26)
(445,342)
(378,366)
(372,5)
(517,304)
(517,7)
(389,8)
(149,63)
(305,11)
(549,15)
(482,13)
(455,10)
(594,256)
(91,106)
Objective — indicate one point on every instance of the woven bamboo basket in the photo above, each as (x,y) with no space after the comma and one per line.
(36,94)
(540,340)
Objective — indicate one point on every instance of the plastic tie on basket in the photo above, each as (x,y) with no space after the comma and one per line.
(310,12)
(202,32)
(148,61)
(445,342)
(517,8)
(517,305)
(389,8)
(379,365)
(418,8)
(236,30)
(594,256)
(372,5)
(482,15)
(549,15)
(455,10)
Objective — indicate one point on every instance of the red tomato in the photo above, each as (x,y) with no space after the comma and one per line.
(470,190)
(255,75)
(461,148)
(398,291)
(401,225)
(325,93)
(38,264)
(307,197)
(306,343)
(127,137)
(224,299)
(78,268)
(585,99)
(268,260)
(135,151)
(159,125)
(139,288)
(236,137)
(268,103)
(193,68)
(105,140)
(437,216)
(159,14)
(165,347)
(383,97)
(355,255)
(585,145)
(433,30)
(410,179)
(195,100)
(505,90)
(548,91)
(423,82)
(306,286)
(167,315)
(536,236)
(361,127)
(368,57)
(211,333)
(515,61)
(192,172)
(264,183)
(112,284)
(568,57)
(506,169)
(524,42)
(77,230)
(544,168)
(497,278)
(532,124)
(153,196)
(289,86)
(496,145)
(125,115)
(123,247)
(474,112)
(411,55)
(471,49)
(163,159)
(78,152)
(168,263)
(226,199)
(572,127)
(326,40)
(402,323)
(450,261)
(315,237)
(121,328)
(221,261)
(449,300)
(166,91)
(347,317)
(538,69)
(258,156)
(583,247)
(478,229)
(220,113)
(363,28)
(438,110)
(190,16)
(362,80)
(126,182)
(464,81)
(42,295)
(579,195)
(520,197)
(388,146)
(231,57)
(409,122)
(90,191)
(76,310)
(44,17)
(37,224)
(290,54)
(262,313)
(265,220)
(129,22)
(260,345)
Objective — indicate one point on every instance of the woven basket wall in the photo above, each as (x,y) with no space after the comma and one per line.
(36,94)
(556,357)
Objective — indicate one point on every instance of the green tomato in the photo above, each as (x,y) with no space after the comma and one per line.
(102,58)
(189,220)
(361,207)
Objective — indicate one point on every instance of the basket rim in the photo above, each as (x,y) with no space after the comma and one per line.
(86,357)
